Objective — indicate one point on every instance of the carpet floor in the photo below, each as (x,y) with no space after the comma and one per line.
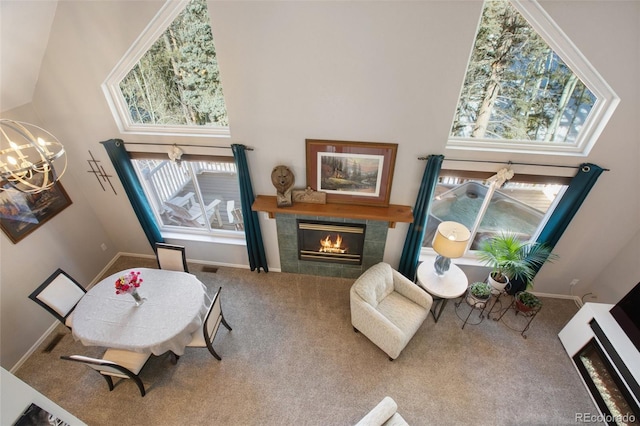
(293,358)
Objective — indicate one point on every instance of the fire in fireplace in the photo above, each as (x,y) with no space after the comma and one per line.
(331,241)
(607,378)
(608,363)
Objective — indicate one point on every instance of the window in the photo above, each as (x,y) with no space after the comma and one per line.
(527,88)
(521,205)
(169,81)
(199,195)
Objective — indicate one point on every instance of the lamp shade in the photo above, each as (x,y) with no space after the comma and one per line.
(451,239)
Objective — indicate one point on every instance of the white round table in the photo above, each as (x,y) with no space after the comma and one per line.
(442,287)
(174,308)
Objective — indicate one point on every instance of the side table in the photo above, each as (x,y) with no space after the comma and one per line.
(452,284)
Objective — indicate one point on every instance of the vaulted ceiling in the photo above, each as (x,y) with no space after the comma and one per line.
(24,33)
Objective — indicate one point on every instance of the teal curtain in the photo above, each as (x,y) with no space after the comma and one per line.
(569,204)
(122,163)
(415,234)
(253,234)
(566,209)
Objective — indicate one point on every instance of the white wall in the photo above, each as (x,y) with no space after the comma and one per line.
(359,71)
(391,71)
(70,240)
(622,274)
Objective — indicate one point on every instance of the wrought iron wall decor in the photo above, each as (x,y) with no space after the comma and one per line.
(99,173)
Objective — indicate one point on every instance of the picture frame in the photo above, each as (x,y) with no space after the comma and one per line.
(22,213)
(34,415)
(351,172)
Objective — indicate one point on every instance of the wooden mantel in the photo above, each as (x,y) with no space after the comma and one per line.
(392,214)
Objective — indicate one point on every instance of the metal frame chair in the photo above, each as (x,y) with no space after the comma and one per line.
(115,363)
(204,338)
(59,295)
(171,257)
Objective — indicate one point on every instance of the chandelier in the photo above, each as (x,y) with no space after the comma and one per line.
(27,154)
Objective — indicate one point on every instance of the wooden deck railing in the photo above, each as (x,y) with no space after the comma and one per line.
(167,181)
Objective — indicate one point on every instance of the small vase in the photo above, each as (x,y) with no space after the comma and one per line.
(139,300)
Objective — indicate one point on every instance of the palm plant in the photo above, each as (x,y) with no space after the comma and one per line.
(511,258)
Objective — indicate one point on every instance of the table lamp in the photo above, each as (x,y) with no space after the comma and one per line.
(450,242)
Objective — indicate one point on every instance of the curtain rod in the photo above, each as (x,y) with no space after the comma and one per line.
(182,144)
(512,162)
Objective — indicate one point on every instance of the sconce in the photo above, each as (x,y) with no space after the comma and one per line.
(450,242)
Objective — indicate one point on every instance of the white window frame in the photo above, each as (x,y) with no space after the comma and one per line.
(111,86)
(601,112)
(214,235)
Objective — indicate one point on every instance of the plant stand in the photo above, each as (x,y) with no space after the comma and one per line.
(479,305)
(497,307)
(530,315)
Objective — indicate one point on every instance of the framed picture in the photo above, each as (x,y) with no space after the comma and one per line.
(21,213)
(34,415)
(351,172)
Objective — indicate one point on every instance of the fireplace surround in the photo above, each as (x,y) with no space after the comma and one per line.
(377,219)
(373,243)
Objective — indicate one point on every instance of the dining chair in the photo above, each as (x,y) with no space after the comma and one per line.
(59,295)
(115,363)
(204,338)
(171,257)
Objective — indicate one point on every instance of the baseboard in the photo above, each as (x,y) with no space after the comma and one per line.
(33,348)
(95,280)
(576,299)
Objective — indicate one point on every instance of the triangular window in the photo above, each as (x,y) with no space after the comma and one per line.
(527,88)
(169,81)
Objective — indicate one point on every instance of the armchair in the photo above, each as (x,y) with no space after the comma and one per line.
(383,414)
(388,308)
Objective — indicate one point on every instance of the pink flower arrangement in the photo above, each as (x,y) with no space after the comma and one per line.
(128,283)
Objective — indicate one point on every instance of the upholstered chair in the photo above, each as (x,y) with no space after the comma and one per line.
(383,414)
(388,308)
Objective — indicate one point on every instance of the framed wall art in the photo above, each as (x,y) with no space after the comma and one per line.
(21,213)
(351,172)
(34,415)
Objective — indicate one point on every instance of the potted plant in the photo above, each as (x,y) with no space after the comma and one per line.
(510,259)
(526,302)
(478,294)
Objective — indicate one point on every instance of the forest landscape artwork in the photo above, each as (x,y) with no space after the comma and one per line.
(350,173)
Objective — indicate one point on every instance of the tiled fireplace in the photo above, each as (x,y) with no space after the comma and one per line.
(361,246)
(370,222)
